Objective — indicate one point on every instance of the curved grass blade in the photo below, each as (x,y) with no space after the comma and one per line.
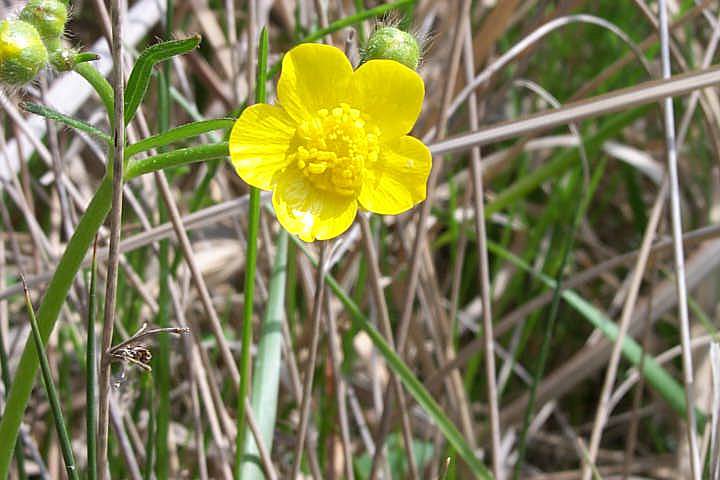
(51,392)
(413,385)
(140,76)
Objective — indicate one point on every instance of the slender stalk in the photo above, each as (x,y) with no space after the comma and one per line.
(679,254)
(602,412)
(52,395)
(91,372)
(250,268)
(484,270)
(310,370)
(340,390)
(117,12)
(161,374)
(386,328)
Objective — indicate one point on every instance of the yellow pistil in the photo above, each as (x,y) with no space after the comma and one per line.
(333,148)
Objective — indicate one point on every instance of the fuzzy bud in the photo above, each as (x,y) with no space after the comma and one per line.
(22,52)
(48,17)
(391,43)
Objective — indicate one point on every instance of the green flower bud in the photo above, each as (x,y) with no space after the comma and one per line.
(391,43)
(48,17)
(22,52)
(65,59)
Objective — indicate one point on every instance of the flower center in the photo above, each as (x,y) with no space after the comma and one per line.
(333,148)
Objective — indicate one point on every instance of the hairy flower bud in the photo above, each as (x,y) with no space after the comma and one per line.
(391,43)
(22,52)
(48,17)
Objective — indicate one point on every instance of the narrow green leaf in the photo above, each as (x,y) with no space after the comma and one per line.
(54,115)
(177,134)
(63,436)
(183,156)
(140,76)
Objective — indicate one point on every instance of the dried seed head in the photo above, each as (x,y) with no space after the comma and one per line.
(22,52)
(391,43)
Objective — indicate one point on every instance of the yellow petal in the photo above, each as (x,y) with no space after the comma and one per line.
(309,212)
(258,143)
(390,93)
(398,180)
(314,76)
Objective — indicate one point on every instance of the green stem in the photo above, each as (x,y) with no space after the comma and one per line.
(62,433)
(101,86)
(250,267)
(91,373)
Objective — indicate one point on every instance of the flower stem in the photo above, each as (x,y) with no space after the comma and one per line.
(91,373)
(250,267)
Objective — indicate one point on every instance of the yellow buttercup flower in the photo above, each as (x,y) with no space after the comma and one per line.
(336,139)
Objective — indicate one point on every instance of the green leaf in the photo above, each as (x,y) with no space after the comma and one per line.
(54,115)
(178,134)
(140,76)
(183,156)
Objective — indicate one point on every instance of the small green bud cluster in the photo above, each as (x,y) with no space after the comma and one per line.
(33,41)
(391,43)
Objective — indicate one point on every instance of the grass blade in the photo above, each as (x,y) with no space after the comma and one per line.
(51,392)
(266,375)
